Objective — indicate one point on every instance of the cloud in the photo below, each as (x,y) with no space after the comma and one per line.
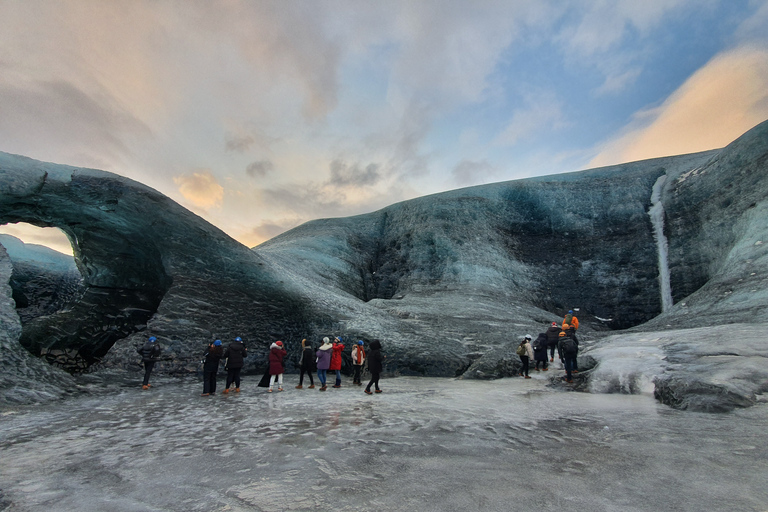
(239,144)
(49,237)
(269,229)
(259,169)
(200,188)
(344,174)
(542,112)
(717,104)
(469,172)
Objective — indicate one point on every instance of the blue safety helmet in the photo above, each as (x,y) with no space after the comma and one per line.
(238,339)
(570,311)
(360,342)
(152,339)
(217,343)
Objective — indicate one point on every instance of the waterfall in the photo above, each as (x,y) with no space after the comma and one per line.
(657,219)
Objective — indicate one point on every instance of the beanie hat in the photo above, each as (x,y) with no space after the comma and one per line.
(528,336)
(326,340)
(217,343)
(566,326)
(562,333)
(279,343)
(152,339)
(554,324)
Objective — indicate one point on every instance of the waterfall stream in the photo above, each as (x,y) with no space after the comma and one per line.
(656,213)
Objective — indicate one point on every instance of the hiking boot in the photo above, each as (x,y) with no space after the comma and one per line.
(205,394)
(378,391)
(226,391)
(269,390)
(323,388)
(237,390)
(144,387)
(368,392)
(299,387)
(537,370)
(551,359)
(311,386)
(336,386)
(545,369)
(279,389)
(527,377)
(574,371)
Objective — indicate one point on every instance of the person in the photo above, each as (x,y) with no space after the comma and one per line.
(235,355)
(525,352)
(323,355)
(212,357)
(306,364)
(276,370)
(570,330)
(358,358)
(571,320)
(540,351)
(567,347)
(338,348)
(553,336)
(150,352)
(375,366)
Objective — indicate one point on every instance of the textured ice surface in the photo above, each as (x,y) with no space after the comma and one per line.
(424,444)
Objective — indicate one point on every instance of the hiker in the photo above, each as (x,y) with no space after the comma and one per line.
(553,336)
(525,352)
(306,364)
(540,351)
(338,347)
(375,366)
(235,355)
(150,352)
(571,331)
(568,348)
(358,358)
(211,360)
(571,320)
(276,370)
(323,355)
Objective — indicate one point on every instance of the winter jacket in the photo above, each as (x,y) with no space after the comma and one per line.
(374,358)
(540,348)
(276,355)
(573,321)
(561,351)
(150,351)
(553,336)
(235,354)
(336,357)
(528,349)
(358,355)
(212,358)
(324,356)
(307,362)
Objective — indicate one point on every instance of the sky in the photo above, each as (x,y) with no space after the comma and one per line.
(261,115)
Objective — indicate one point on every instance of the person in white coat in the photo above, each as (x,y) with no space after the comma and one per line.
(525,351)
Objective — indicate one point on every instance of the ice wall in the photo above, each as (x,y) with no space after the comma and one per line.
(656,213)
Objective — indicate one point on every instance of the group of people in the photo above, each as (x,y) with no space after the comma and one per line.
(561,338)
(326,358)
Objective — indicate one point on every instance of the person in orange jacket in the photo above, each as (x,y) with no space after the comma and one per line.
(338,347)
(571,320)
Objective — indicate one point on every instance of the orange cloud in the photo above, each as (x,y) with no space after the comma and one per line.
(200,188)
(717,104)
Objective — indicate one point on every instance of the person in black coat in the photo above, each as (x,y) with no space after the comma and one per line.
(235,355)
(307,364)
(540,351)
(553,336)
(375,366)
(213,355)
(150,352)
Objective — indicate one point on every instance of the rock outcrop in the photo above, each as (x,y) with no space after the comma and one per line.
(448,282)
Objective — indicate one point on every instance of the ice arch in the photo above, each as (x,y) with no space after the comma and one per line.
(105,218)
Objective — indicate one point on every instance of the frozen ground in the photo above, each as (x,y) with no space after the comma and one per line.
(425,444)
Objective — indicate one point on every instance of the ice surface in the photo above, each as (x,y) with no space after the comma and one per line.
(425,444)
(662,246)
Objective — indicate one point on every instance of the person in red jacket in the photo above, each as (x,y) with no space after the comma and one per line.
(276,355)
(338,347)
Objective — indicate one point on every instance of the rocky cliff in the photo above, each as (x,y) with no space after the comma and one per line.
(448,282)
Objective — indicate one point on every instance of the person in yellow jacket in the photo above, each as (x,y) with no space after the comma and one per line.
(571,320)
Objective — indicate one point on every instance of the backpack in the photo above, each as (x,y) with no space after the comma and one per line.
(569,346)
(539,343)
(520,350)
